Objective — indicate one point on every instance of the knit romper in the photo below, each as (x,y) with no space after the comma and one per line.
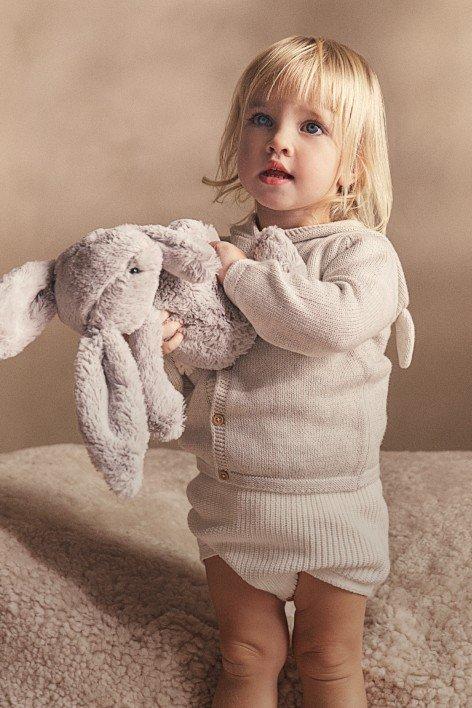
(287,438)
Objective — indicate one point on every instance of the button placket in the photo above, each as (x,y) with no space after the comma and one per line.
(218,421)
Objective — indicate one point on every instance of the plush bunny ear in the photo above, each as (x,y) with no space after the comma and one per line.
(27,304)
(111,410)
(164,404)
(185,253)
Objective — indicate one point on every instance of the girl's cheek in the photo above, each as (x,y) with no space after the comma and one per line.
(242,161)
(250,151)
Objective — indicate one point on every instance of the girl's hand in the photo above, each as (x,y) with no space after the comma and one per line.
(172,333)
(228,254)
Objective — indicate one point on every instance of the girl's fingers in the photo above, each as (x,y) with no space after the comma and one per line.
(164,314)
(170,328)
(172,343)
(172,334)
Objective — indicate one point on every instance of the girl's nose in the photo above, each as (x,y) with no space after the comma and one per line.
(280,144)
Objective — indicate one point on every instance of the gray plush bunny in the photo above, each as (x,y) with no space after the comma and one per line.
(113,282)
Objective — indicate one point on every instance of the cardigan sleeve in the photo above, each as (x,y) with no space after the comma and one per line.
(356,298)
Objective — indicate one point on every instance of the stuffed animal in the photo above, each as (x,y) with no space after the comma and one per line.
(113,282)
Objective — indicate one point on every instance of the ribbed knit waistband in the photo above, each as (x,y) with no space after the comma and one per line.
(290,485)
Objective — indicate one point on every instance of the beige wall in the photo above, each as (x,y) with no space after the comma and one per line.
(111,112)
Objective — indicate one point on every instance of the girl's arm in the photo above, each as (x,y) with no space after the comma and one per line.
(355,300)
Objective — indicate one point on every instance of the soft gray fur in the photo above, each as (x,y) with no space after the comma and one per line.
(122,392)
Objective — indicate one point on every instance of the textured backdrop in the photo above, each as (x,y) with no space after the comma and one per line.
(112,111)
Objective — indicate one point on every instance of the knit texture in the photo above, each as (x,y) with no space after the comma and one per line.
(305,410)
(268,538)
(287,439)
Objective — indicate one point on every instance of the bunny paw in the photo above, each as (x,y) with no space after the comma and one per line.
(273,243)
(167,428)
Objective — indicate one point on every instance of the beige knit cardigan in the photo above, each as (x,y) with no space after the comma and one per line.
(305,410)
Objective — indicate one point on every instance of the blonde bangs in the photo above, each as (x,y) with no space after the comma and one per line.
(320,73)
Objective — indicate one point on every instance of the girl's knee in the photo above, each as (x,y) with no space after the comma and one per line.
(328,628)
(329,662)
(242,659)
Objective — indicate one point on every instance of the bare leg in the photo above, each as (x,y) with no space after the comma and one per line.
(254,639)
(327,644)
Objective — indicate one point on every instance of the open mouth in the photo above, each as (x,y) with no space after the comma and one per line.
(274,175)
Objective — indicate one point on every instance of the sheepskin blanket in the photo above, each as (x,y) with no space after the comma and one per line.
(105,603)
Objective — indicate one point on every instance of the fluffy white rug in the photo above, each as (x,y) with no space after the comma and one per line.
(105,603)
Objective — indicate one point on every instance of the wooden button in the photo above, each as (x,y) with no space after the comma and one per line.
(218,419)
(223,474)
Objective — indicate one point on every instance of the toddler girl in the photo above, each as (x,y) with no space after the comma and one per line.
(288,502)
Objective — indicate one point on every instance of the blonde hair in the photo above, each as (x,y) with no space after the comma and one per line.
(310,69)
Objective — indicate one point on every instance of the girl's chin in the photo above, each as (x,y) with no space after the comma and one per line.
(273,201)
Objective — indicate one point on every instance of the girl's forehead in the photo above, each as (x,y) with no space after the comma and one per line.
(294,96)
(289,101)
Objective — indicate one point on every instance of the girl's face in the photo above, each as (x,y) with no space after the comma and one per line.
(302,141)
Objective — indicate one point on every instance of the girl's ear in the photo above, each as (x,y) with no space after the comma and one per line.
(27,304)
(346,182)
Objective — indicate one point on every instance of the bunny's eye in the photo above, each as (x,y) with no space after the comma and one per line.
(134,270)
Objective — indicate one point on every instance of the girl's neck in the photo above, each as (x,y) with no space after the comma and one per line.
(288,219)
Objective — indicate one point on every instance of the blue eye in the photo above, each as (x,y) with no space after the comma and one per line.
(311,122)
(253,120)
(258,115)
